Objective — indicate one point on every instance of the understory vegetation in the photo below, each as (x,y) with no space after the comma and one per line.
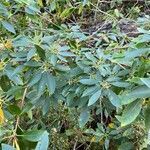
(74,75)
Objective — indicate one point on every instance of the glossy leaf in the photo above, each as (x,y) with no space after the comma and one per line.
(8,27)
(43,142)
(140,92)
(30,54)
(114,99)
(33,135)
(50,81)
(88,81)
(146,81)
(36,77)
(130,113)
(93,99)
(89,91)
(41,85)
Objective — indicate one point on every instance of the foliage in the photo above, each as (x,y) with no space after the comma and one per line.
(60,83)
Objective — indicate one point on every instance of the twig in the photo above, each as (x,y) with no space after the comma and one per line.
(80,145)
(74,147)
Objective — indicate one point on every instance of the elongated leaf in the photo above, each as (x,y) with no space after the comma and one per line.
(30,54)
(94,98)
(43,142)
(33,136)
(50,81)
(53,59)
(67,54)
(89,91)
(67,12)
(146,81)
(136,52)
(21,41)
(3,10)
(120,84)
(114,99)
(41,85)
(17,70)
(84,118)
(62,68)
(16,79)
(147,117)
(8,27)
(140,92)
(35,78)
(46,105)
(90,56)
(130,113)
(88,81)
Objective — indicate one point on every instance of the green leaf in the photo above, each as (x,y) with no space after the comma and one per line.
(40,52)
(46,105)
(67,54)
(42,85)
(130,113)
(114,99)
(53,59)
(120,84)
(16,79)
(94,97)
(3,10)
(43,142)
(146,81)
(30,54)
(13,109)
(7,147)
(139,92)
(6,83)
(90,56)
(50,81)
(34,135)
(67,12)
(126,146)
(62,68)
(17,70)
(89,91)
(136,53)
(14,90)
(8,27)
(21,41)
(147,118)
(36,77)
(84,118)
(88,81)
